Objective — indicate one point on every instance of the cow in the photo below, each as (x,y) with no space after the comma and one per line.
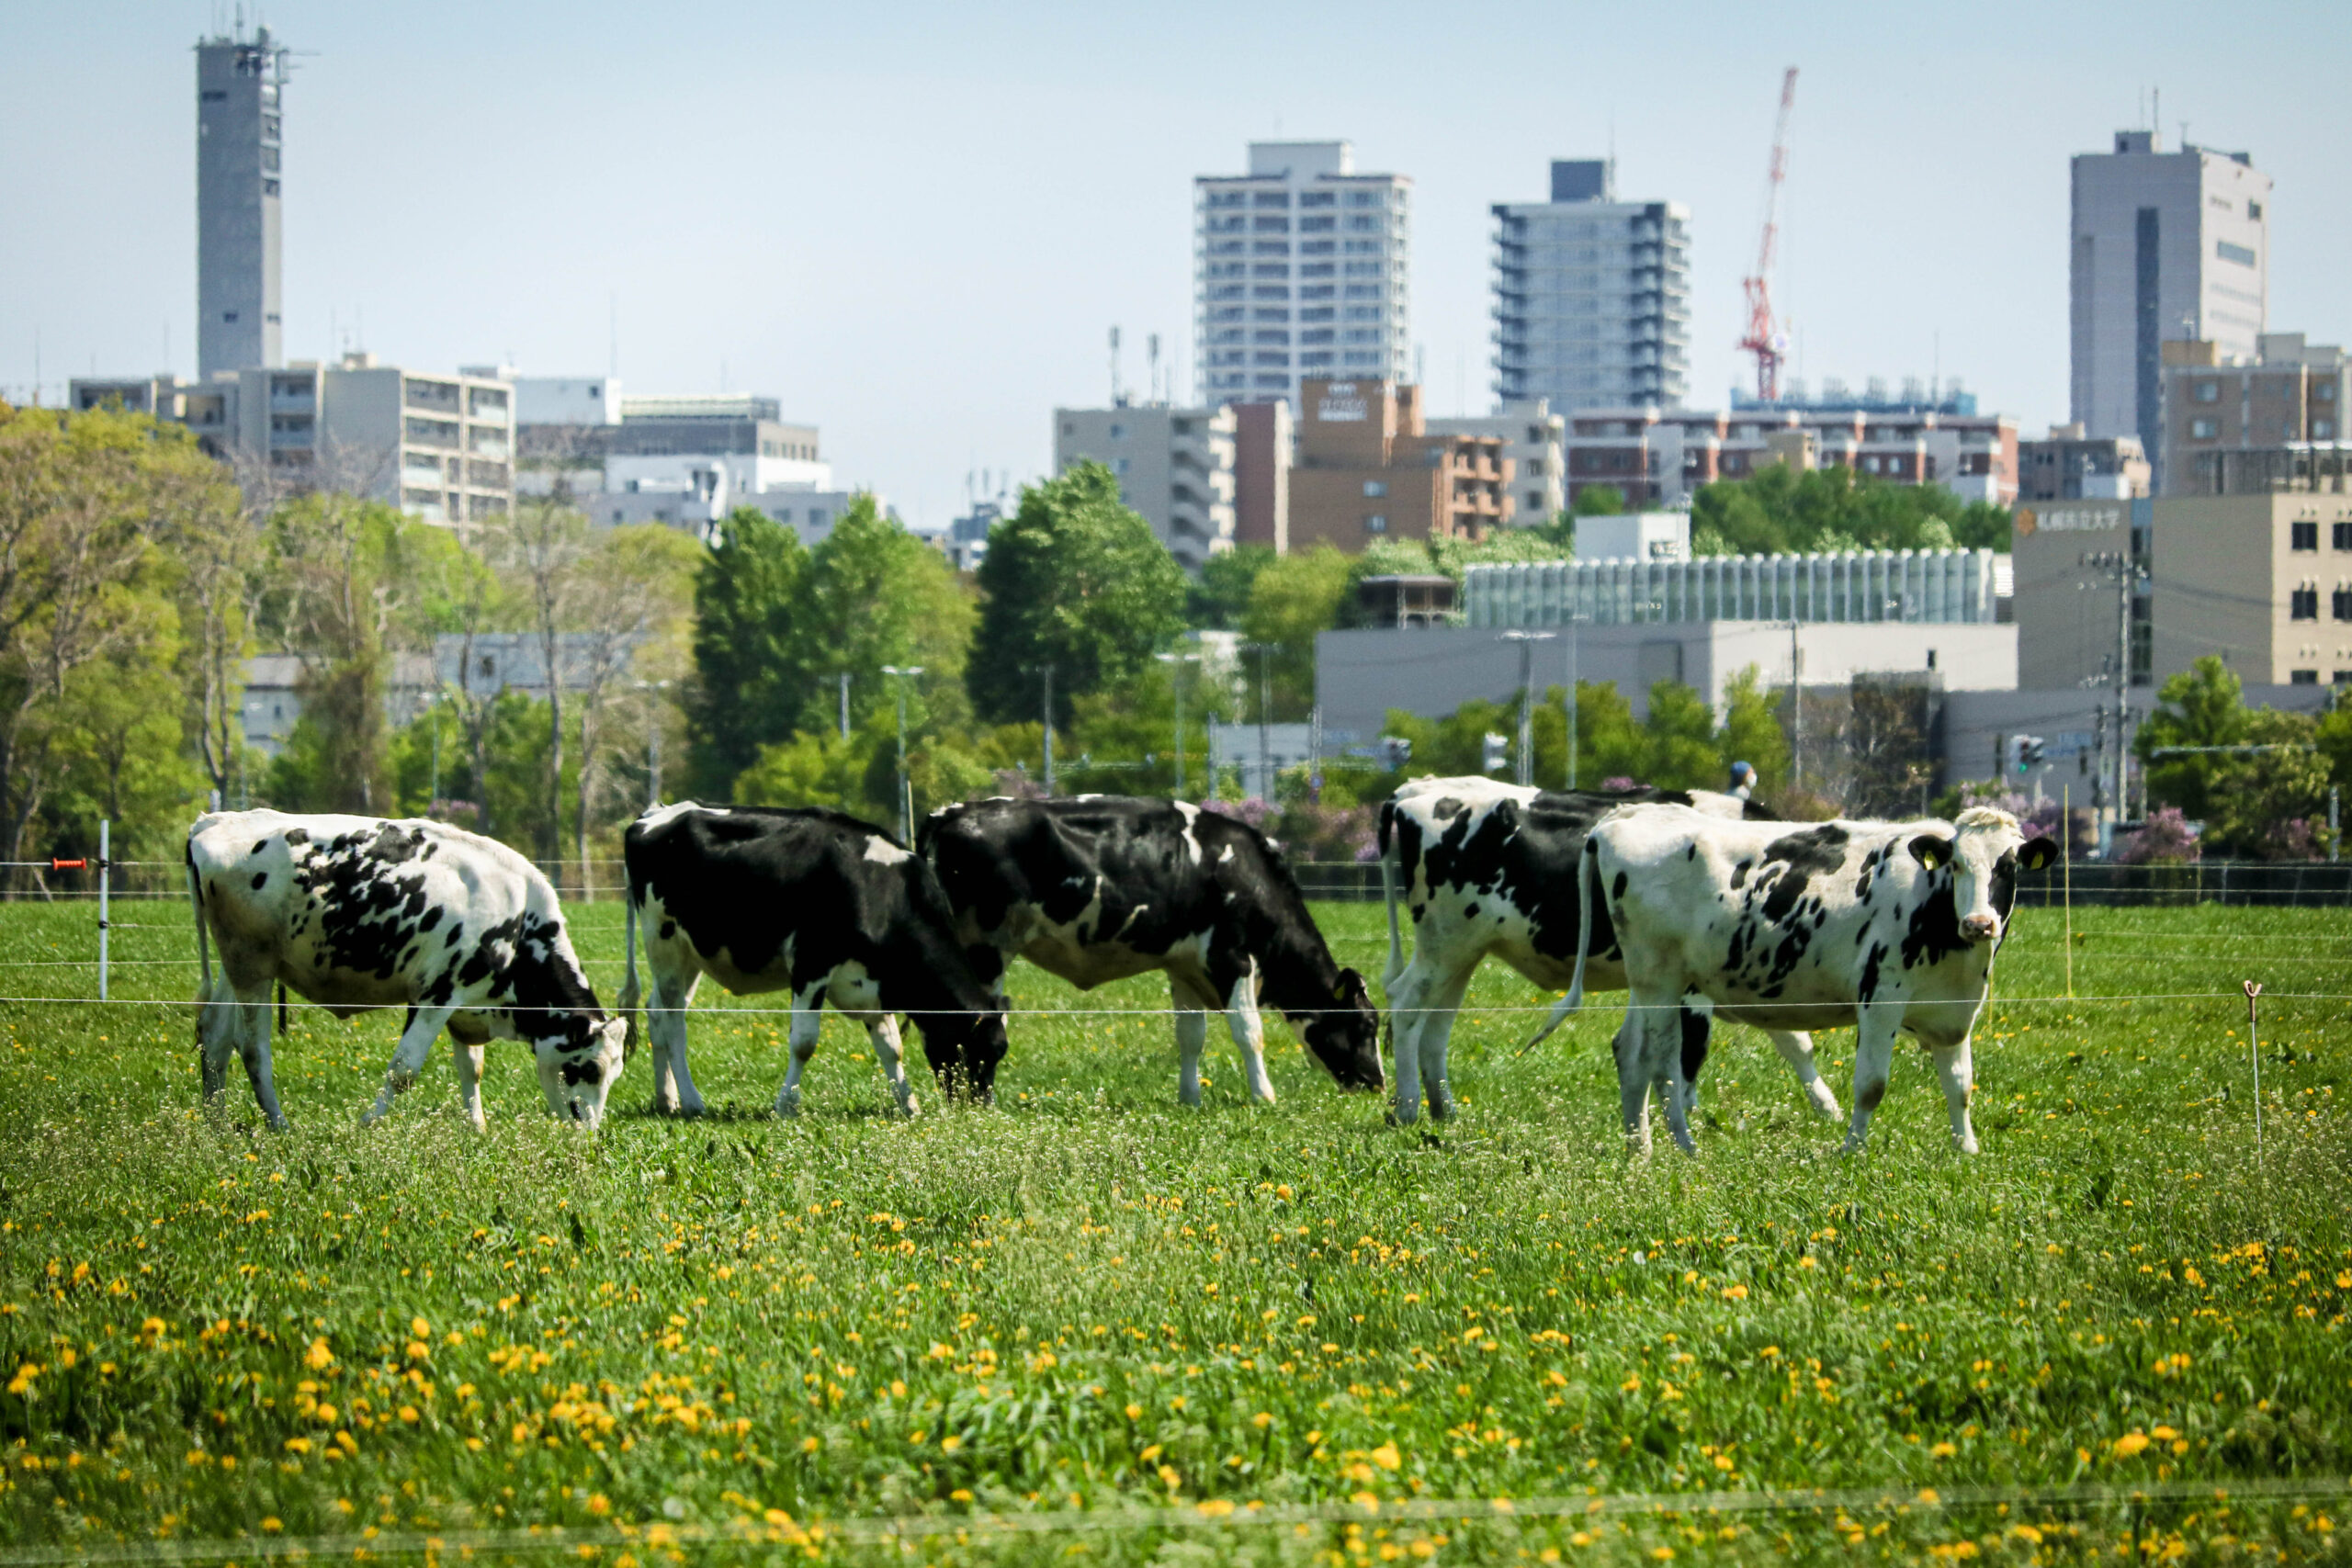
(1484,867)
(357,912)
(1099,887)
(1888,927)
(816,903)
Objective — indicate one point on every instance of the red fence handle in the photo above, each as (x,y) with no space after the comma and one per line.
(56,865)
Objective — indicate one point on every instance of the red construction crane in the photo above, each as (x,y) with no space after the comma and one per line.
(1764,339)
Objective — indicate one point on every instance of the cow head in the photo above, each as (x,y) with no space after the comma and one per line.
(579,1068)
(1345,1035)
(1984,855)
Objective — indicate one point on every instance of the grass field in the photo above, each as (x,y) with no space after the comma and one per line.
(746,1336)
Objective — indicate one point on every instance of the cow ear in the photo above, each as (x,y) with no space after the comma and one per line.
(2038,854)
(1350,986)
(1931,849)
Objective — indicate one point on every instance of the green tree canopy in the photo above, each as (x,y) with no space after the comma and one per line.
(1076,580)
(1215,601)
(872,595)
(2202,705)
(1781,509)
(748,685)
(1598,501)
(1296,597)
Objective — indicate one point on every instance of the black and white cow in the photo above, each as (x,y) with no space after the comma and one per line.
(1484,867)
(1099,887)
(355,912)
(813,902)
(1888,927)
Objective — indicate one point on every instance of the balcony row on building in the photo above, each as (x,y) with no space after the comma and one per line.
(439,446)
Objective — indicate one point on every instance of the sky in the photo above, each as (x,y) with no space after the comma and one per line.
(914,224)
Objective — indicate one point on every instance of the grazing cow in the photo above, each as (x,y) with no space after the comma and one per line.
(1884,926)
(355,912)
(1102,886)
(819,904)
(1485,868)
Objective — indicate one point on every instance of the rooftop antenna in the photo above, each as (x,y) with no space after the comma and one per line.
(1119,400)
(1151,345)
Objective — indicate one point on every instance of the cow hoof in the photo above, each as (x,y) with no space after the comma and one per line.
(788,1104)
(1965,1145)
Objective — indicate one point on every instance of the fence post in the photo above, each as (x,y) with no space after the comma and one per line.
(106,866)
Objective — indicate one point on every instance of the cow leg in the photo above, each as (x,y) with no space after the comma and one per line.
(1796,1049)
(408,1058)
(254,1043)
(1441,1004)
(883,1030)
(807,1025)
(1956,1066)
(665,1013)
(1696,1025)
(1874,1029)
(220,1034)
(1248,1031)
(1634,1078)
(1405,1042)
(469,1064)
(1649,1049)
(1192,1035)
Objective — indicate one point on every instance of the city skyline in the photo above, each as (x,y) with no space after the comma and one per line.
(859,235)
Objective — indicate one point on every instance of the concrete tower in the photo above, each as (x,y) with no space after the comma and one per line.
(2166,246)
(239,88)
(1592,296)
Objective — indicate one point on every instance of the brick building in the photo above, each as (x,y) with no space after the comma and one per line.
(1368,468)
(1659,456)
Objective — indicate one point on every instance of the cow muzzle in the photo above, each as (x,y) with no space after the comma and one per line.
(1980,927)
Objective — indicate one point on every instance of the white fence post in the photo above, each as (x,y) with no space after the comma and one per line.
(104,866)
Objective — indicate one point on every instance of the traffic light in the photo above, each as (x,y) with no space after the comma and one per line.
(1396,750)
(1497,755)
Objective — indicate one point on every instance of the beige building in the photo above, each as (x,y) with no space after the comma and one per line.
(1368,468)
(2288,394)
(1174,467)
(2068,465)
(1536,441)
(2264,580)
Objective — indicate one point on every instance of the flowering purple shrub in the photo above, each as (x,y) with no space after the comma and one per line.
(1016,782)
(1308,832)
(1620,782)
(2296,839)
(2167,840)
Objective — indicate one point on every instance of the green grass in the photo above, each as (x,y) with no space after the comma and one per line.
(1089,1298)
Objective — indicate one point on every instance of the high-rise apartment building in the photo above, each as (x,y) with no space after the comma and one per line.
(239,114)
(1301,267)
(2166,246)
(1592,296)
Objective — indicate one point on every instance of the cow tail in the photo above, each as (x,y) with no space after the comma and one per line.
(632,994)
(1574,1000)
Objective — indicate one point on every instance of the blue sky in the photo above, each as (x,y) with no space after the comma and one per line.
(913,224)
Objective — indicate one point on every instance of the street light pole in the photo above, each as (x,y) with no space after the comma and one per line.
(1049,728)
(906,795)
(652,742)
(433,789)
(1265,722)
(1525,772)
(1176,662)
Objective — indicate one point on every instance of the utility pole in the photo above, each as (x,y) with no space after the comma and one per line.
(1049,684)
(1176,662)
(1525,772)
(653,741)
(1575,621)
(905,795)
(1796,708)
(2127,571)
(1265,722)
(433,789)
(844,681)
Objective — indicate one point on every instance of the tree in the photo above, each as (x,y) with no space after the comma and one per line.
(223,575)
(1752,732)
(1779,509)
(1293,599)
(2202,705)
(1215,601)
(629,610)
(83,497)
(1076,582)
(748,686)
(873,595)
(356,584)
(543,547)
(1598,501)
